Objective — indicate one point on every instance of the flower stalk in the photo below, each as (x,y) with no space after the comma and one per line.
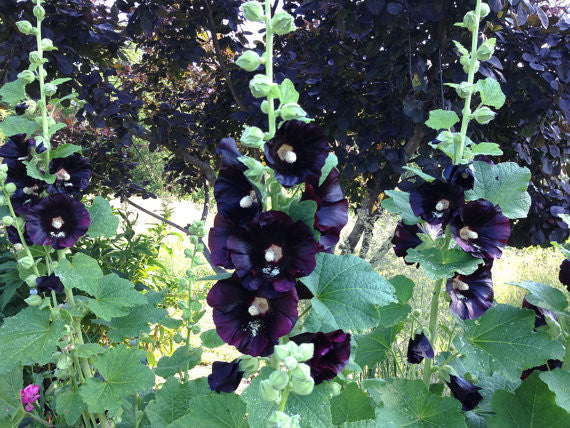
(269,68)
(41,78)
(434,311)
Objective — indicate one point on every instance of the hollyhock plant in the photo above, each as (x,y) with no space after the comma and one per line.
(272,252)
(28,189)
(540,313)
(419,348)
(462,175)
(331,354)
(29,395)
(481,229)
(14,237)
(464,391)
(19,148)
(297,151)
(48,283)
(250,320)
(406,236)
(57,221)
(471,295)
(436,202)
(564,274)
(72,174)
(225,377)
(332,208)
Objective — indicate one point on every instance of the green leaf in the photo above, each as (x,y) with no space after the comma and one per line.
(420,173)
(488,149)
(82,273)
(330,163)
(123,375)
(374,347)
(11,384)
(214,411)
(503,339)
(531,405)
(399,203)
(29,338)
(65,150)
(442,264)
(395,313)
(442,119)
(304,211)
(86,350)
(56,127)
(34,172)
(346,291)
(181,359)
(288,93)
(490,91)
(351,405)
(113,296)
(103,222)
(211,339)
(13,125)
(504,184)
(558,381)
(70,405)
(407,403)
(13,92)
(544,296)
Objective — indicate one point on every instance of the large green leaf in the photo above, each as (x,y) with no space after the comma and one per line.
(504,184)
(346,291)
(304,211)
(531,405)
(399,203)
(29,338)
(11,410)
(503,338)
(13,92)
(544,296)
(442,119)
(374,347)
(65,150)
(70,405)
(442,264)
(214,411)
(13,125)
(113,297)
(103,222)
(181,359)
(82,273)
(352,404)
(395,313)
(558,381)
(491,93)
(123,374)
(210,339)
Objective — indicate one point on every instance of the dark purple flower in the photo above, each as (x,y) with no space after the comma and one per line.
(48,283)
(419,348)
(465,392)
(471,295)
(21,108)
(436,202)
(540,313)
(225,377)
(236,197)
(272,252)
(550,365)
(332,351)
(217,241)
(18,149)
(14,237)
(462,175)
(72,174)
(332,208)
(28,189)
(57,221)
(481,229)
(303,292)
(564,274)
(298,150)
(406,236)
(249,320)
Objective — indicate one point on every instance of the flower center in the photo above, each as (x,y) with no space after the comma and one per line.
(460,285)
(286,153)
(467,234)
(248,200)
(273,254)
(62,174)
(57,222)
(442,205)
(259,306)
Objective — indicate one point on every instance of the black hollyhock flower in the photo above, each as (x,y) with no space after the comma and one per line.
(303,292)
(21,108)
(225,377)
(436,202)
(550,365)
(217,241)
(57,221)
(18,149)
(540,313)
(462,175)
(47,283)
(332,351)
(298,150)
(419,348)
(465,392)
(249,320)
(28,189)
(72,174)
(272,252)
(14,237)
(564,274)
(237,198)
(481,229)
(332,208)
(406,237)
(471,295)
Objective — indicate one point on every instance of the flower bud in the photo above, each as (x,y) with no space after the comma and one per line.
(252,137)
(281,352)
(274,188)
(302,387)
(463,89)
(26,262)
(50,90)
(279,420)
(64,362)
(31,281)
(485,10)
(282,23)
(279,380)
(336,388)
(8,220)
(35,57)
(200,248)
(34,300)
(268,393)
(249,61)
(27,76)
(305,352)
(25,27)
(417,313)
(39,12)
(194,241)
(261,85)
(470,20)
(253,11)
(248,365)
(291,111)
(486,50)
(290,362)
(484,115)
(301,372)
(264,106)
(47,45)
(443,373)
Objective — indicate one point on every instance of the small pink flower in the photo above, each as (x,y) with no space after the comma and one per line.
(29,394)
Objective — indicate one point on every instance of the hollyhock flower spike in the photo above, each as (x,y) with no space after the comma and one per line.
(436,202)
(471,295)
(250,320)
(48,283)
(272,252)
(464,391)
(564,274)
(18,149)
(481,229)
(29,395)
(57,221)
(72,174)
(540,313)
(225,377)
(297,151)
(419,348)
(28,189)
(331,354)
(462,175)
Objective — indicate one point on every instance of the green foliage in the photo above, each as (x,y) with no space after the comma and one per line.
(113,297)
(442,119)
(13,92)
(211,339)
(10,402)
(83,272)
(351,405)
(490,92)
(558,381)
(399,203)
(304,211)
(69,404)
(442,264)
(374,346)
(65,150)
(13,125)
(215,411)
(182,359)
(103,222)
(330,163)
(544,296)
(394,313)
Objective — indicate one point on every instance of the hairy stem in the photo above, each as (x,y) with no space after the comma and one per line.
(283,401)
(269,67)
(432,328)
(41,77)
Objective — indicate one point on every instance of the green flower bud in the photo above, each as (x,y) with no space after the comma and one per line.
(248,365)
(264,106)
(50,90)
(301,372)
(268,393)
(34,300)
(27,76)
(470,20)
(417,313)
(295,421)
(282,23)
(177,338)
(8,220)
(274,188)
(463,89)
(64,362)
(249,61)
(485,10)
(279,380)
(26,262)
(443,373)
(261,85)
(281,352)
(39,12)
(291,111)
(336,388)
(253,11)
(484,115)
(4,167)
(252,137)
(25,27)
(290,362)
(47,45)
(486,50)
(35,57)
(302,387)
(200,248)
(305,352)
(279,420)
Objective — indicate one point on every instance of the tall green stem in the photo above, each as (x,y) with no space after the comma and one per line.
(432,328)
(283,401)
(269,67)
(41,77)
